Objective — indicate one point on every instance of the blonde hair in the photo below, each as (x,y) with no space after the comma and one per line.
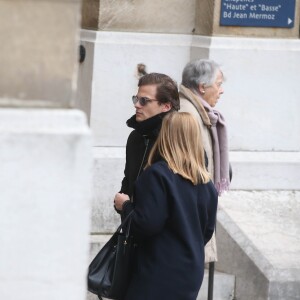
(180,144)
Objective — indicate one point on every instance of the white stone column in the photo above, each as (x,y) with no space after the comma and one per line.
(45,181)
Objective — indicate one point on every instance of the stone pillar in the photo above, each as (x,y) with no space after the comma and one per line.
(45,154)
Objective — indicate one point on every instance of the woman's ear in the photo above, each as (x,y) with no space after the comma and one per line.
(201,89)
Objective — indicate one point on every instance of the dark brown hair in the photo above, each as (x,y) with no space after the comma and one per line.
(167,90)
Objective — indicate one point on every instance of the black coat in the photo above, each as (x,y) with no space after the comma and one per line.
(139,144)
(172,220)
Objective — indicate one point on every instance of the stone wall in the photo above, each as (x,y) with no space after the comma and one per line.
(260,105)
(185,17)
(45,154)
(38,52)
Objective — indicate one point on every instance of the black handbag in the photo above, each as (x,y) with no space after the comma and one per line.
(110,271)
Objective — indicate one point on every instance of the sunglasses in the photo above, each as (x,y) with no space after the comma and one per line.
(142,100)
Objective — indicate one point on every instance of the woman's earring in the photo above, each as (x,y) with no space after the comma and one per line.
(202,92)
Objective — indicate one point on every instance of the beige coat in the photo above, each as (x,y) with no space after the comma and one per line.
(204,123)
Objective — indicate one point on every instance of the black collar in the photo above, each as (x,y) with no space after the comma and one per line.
(150,127)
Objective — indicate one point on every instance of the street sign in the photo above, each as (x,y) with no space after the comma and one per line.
(258,13)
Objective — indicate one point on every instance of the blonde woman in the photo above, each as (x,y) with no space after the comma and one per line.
(174,214)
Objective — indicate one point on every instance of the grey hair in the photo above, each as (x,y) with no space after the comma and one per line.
(201,71)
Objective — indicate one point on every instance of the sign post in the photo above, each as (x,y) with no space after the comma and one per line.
(258,13)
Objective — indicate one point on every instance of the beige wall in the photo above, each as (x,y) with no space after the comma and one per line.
(90,14)
(204,17)
(39,52)
(167,16)
(171,16)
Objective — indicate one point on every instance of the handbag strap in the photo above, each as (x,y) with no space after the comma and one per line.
(124,222)
(128,227)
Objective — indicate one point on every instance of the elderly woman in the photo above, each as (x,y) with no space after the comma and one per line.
(200,91)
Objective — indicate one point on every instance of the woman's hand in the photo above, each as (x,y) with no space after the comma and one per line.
(119,199)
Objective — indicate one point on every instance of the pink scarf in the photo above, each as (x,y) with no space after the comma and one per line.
(220,148)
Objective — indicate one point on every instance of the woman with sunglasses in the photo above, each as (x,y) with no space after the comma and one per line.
(173,214)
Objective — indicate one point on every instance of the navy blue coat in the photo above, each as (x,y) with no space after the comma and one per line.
(172,220)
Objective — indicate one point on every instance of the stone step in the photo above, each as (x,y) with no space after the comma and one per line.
(223,283)
(251,171)
(258,170)
(258,240)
